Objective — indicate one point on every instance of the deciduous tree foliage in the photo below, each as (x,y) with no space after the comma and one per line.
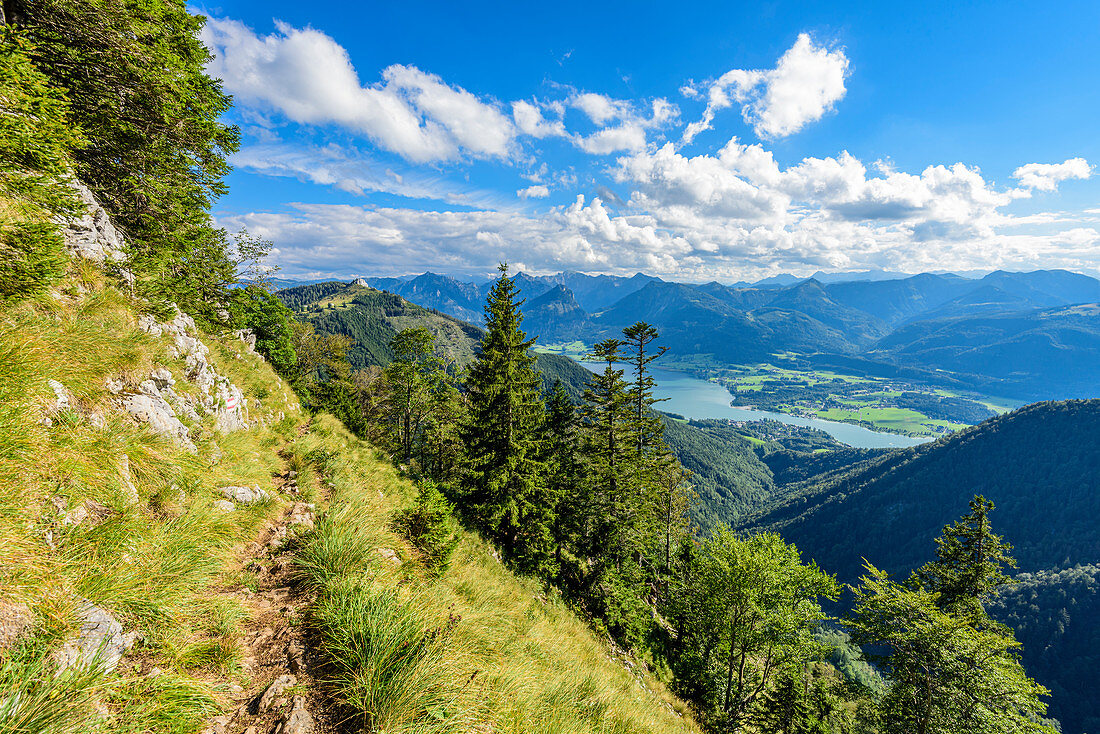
(154,149)
(748,613)
(951,667)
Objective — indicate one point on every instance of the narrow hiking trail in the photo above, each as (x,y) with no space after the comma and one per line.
(277,689)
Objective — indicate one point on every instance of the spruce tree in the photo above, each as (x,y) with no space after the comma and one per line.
(503,483)
(564,475)
(951,667)
(970,561)
(415,375)
(646,427)
(606,415)
(786,708)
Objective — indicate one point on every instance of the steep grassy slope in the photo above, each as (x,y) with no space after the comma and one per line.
(178,571)
(97,509)
(476,649)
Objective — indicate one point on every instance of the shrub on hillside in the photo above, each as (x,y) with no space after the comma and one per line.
(260,310)
(35,133)
(34,258)
(430,526)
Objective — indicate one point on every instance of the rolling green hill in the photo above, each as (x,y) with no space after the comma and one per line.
(371,318)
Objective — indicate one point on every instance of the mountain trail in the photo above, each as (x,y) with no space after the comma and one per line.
(276,691)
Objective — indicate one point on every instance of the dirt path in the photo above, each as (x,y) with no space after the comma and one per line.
(278,664)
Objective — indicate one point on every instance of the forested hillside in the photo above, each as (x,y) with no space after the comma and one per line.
(370,319)
(1040,467)
(892,505)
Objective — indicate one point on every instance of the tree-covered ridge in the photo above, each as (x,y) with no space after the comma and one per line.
(1056,617)
(893,503)
(371,318)
(1038,464)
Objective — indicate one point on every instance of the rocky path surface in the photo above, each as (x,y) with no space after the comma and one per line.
(281,670)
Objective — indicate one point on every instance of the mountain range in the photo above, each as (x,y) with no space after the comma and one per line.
(1023,335)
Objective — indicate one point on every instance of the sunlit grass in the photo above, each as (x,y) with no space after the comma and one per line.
(487,650)
(151,564)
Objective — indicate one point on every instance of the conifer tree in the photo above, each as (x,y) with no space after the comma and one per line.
(503,483)
(415,375)
(786,708)
(606,414)
(564,474)
(660,482)
(647,428)
(970,561)
(951,667)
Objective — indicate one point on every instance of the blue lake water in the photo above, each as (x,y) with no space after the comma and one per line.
(692,397)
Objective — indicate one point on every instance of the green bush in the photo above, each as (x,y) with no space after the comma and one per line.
(36,136)
(430,526)
(34,258)
(261,311)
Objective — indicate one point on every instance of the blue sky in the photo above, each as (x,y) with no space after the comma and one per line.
(708,141)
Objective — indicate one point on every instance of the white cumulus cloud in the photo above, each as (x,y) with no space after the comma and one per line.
(806,83)
(534,192)
(308,77)
(1046,176)
(530,120)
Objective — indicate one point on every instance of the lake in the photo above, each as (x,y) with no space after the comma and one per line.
(692,397)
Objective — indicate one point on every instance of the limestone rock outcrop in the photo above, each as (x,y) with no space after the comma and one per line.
(93,237)
(244,495)
(100,641)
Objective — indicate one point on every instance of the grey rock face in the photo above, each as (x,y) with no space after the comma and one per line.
(275,691)
(301,514)
(244,495)
(93,237)
(220,397)
(62,398)
(299,721)
(248,336)
(162,378)
(89,511)
(155,411)
(100,641)
(128,487)
(224,506)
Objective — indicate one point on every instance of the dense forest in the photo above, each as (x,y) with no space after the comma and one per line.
(1038,464)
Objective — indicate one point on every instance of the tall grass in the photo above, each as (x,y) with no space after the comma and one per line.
(151,564)
(34,699)
(475,649)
